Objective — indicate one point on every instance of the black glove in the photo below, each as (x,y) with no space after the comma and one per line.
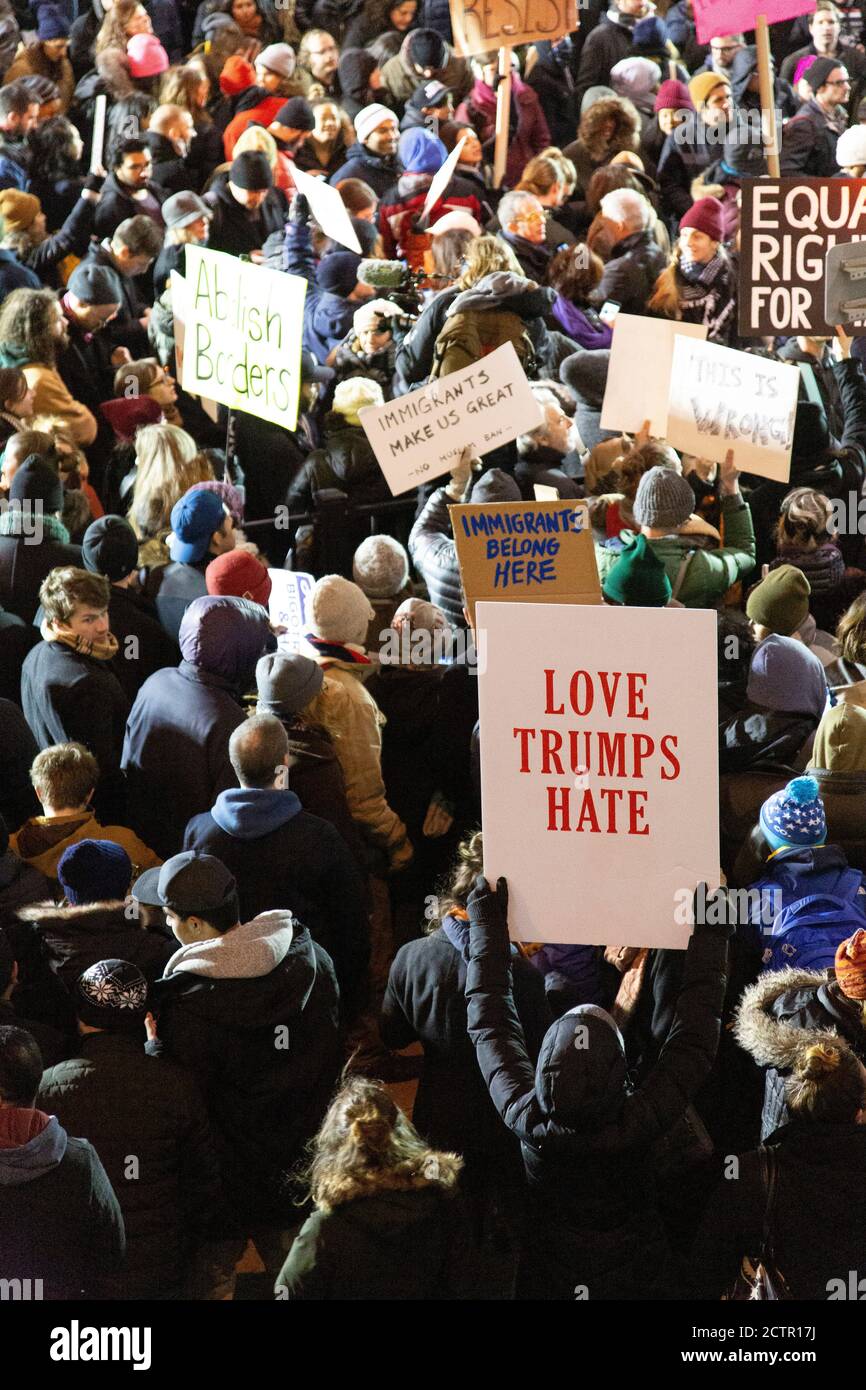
(93,183)
(299,212)
(714,911)
(488,912)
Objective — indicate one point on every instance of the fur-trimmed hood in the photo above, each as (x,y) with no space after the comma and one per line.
(761,1029)
(50,916)
(601,144)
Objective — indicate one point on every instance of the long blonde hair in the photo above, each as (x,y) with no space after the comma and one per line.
(112,32)
(486,254)
(367,1145)
(255,137)
(167,465)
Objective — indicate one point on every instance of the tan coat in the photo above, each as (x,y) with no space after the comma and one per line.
(42,840)
(51,397)
(31,61)
(354,721)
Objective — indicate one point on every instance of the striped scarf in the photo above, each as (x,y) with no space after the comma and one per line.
(100,651)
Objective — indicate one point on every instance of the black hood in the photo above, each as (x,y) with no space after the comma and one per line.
(741,72)
(581,1074)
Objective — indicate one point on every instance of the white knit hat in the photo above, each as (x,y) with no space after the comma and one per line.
(851,146)
(339,611)
(278,58)
(369,117)
(354,395)
(373,309)
(416,614)
(457,220)
(380,567)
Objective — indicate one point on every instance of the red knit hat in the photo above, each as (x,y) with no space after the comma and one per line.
(239,574)
(851,965)
(236,76)
(705,216)
(673,96)
(126,414)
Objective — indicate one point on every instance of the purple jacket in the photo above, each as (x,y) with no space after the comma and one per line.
(579,328)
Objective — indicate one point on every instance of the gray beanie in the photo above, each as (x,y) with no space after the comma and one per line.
(380,567)
(495,486)
(664,498)
(286,682)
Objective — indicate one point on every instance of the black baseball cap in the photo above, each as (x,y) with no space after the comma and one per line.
(188,884)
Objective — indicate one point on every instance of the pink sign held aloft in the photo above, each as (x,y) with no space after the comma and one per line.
(717,18)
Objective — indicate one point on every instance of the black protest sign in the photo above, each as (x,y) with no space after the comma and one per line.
(787,226)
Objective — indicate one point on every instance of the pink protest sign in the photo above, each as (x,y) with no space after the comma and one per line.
(714,18)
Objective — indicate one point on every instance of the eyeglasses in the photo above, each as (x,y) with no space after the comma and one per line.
(839,82)
(724,48)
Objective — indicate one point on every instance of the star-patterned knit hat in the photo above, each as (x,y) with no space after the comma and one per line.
(794,817)
(112,994)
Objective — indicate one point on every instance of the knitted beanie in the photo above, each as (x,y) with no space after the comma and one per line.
(239,573)
(372,311)
(426,49)
(110,547)
(339,611)
(354,395)
(418,615)
(794,817)
(703,83)
(296,114)
(493,485)
(420,151)
(93,871)
(380,567)
(18,210)
(705,216)
(278,58)
(286,682)
(146,56)
(781,601)
(634,77)
(52,24)
(851,965)
(251,171)
(369,118)
(37,481)
(664,498)
(338,273)
(851,147)
(820,70)
(638,579)
(112,995)
(673,95)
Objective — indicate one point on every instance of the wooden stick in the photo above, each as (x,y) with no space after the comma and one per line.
(768,100)
(503,112)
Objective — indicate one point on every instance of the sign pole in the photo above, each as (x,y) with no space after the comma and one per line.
(768,101)
(503,112)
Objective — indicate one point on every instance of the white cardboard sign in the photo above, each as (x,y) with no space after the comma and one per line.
(441,180)
(599,783)
(287,606)
(328,209)
(420,436)
(639,372)
(721,400)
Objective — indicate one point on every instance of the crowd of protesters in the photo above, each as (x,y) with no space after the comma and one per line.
(241,882)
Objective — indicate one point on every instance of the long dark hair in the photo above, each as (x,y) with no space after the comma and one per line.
(53,150)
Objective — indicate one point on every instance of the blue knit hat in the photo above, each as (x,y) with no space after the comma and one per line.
(52,24)
(420,151)
(794,817)
(94,871)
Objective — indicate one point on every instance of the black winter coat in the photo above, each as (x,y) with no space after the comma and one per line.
(145,646)
(304,868)
(23,568)
(169,168)
(176,751)
(415,353)
(786,1010)
(629,278)
(425,1001)
(116,204)
(434,554)
(128,1103)
(68,697)
(63,1226)
(345,461)
(74,938)
(17,797)
(265,1098)
(817,1220)
(604,46)
(595,1220)
(379,171)
(237,231)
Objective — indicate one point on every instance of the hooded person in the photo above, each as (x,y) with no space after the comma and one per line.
(422,155)
(92,923)
(284,858)
(788,1010)
(229,989)
(577,1108)
(339,616)
(423,55)
(51,1180)
(786,695)
(176,750)
(700,570)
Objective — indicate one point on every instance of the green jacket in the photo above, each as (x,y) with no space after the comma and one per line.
(710,573)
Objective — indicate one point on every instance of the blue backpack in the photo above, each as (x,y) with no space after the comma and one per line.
(807,932)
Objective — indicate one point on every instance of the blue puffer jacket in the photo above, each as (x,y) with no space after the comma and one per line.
(176,749)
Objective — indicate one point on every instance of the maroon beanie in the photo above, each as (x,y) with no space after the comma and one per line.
(673,96)
(238,573)
(705,216)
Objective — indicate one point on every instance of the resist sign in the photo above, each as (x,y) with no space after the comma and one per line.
(787,226)
(243,335)
(481,25)
(421,435)
(599,783)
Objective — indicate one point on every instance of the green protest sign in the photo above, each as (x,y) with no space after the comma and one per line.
(243,335)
